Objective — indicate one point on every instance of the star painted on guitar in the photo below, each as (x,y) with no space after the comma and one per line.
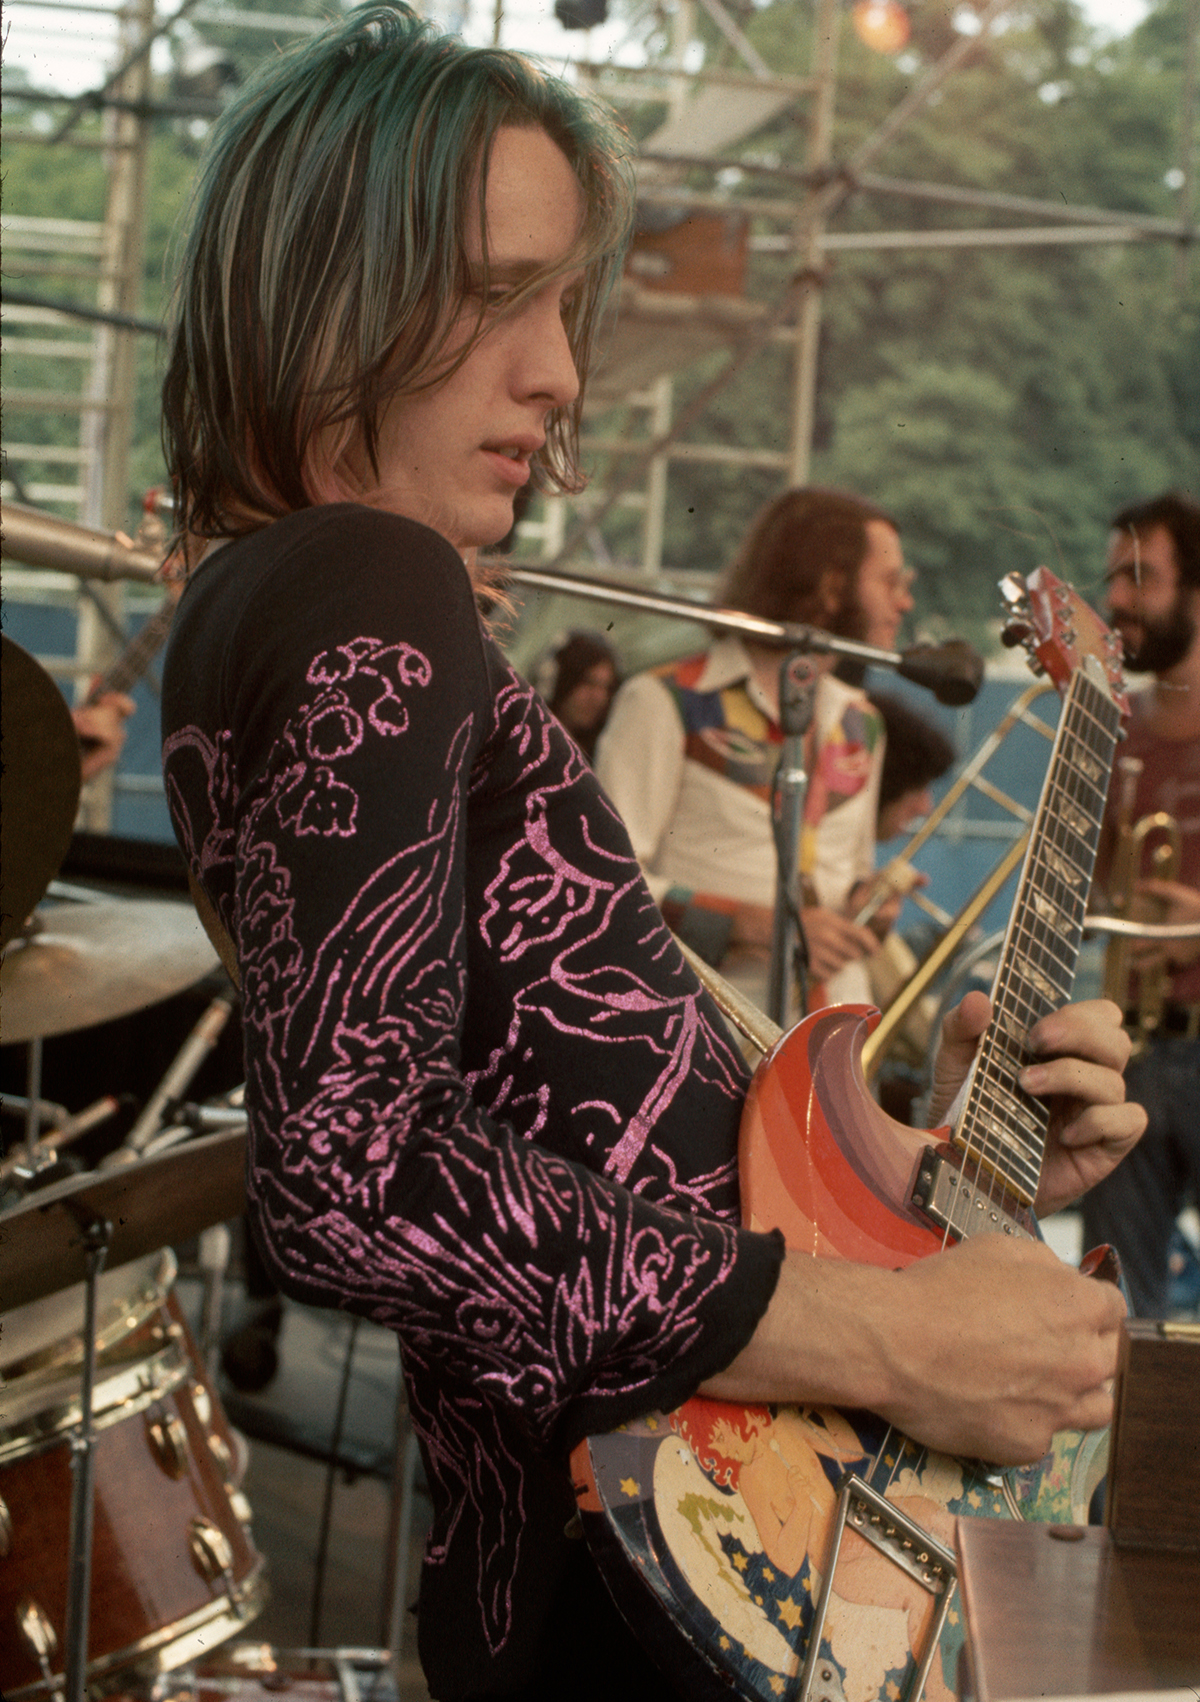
(630,1487)
(790,1612)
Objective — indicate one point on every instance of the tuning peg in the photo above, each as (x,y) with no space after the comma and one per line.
(1012,590)
(1016,632)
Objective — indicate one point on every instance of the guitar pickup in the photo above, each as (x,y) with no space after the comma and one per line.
(944,1195)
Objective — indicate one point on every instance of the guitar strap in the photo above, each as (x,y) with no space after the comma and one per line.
(755,1025)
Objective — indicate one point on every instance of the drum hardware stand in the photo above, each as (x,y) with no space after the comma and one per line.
(188,1060)
(215,1246)
(35,1113)
(33,1084)
(97,1234)
(27,1164)
(900,1540)
(797,696)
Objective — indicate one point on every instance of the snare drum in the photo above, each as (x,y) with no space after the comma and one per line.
(174,1568)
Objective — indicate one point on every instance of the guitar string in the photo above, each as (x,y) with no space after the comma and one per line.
(1038,941)
(1011,994)
(1036,936)
(1085,730)
(1003,1051)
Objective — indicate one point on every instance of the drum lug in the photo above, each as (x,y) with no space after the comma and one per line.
(39,1635)
(6,1530)
(211,1551)
(168,1442)
(241,1507)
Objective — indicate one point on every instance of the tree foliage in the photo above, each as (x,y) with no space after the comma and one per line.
(1000,401)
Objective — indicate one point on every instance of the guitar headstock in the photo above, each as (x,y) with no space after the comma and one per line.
(1060,631)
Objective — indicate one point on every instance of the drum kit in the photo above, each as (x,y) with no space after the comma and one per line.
(125,1544)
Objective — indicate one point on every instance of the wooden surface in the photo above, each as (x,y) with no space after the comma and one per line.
(155,1202)
(1054,1618)
(1154,1482)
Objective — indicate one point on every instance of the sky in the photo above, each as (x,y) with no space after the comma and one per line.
(66,49)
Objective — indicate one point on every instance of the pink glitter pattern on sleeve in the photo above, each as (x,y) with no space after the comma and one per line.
(497,1172)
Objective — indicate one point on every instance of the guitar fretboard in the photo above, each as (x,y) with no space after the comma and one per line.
(1001,1128)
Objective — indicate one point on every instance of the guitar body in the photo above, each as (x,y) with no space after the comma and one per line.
(714,1524)
(808,1553)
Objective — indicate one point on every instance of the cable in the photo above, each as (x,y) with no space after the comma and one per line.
(314,1633)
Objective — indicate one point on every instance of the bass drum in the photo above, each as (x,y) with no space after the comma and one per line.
(174,1568)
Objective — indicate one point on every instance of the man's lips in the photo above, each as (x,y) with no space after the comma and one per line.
(510,461)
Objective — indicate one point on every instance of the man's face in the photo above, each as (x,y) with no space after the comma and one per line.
(1152,612)
(455,455)
(881,596)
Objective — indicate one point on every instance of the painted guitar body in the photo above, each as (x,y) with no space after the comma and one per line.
(737,1571)
(807,1553)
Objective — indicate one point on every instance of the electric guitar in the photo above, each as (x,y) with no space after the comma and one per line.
(808,1553)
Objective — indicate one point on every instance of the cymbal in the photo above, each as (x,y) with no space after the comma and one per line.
(92,962)
(153,1203)
(39,786)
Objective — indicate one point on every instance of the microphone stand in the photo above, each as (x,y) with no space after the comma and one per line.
(952,670)
(789,948)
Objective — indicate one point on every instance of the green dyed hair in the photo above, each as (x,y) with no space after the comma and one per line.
(327,241)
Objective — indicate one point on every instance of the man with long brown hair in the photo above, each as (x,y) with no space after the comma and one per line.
(690,750)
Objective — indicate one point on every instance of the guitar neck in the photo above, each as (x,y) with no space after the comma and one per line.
(137,655)
(1001,1128)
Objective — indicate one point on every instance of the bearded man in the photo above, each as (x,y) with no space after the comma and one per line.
(1153,597)
(689,751)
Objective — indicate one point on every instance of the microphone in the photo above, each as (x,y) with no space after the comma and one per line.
(952,671)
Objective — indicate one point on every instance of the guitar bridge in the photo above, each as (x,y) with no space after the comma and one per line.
(950,1202)
(900,1540)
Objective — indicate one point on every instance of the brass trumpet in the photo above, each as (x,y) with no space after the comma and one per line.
(1150,847)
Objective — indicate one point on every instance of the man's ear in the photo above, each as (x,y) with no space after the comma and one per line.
(831,593)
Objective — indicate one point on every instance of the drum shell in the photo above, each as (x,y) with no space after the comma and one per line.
(166,1467)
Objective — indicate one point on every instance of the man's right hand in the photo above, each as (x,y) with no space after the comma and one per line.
(983,1351)
(1023,1347)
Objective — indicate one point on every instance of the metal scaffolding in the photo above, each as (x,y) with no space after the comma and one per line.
(666,323)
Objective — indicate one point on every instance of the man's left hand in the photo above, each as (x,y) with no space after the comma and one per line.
(1080,1057)
(1080,1053)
